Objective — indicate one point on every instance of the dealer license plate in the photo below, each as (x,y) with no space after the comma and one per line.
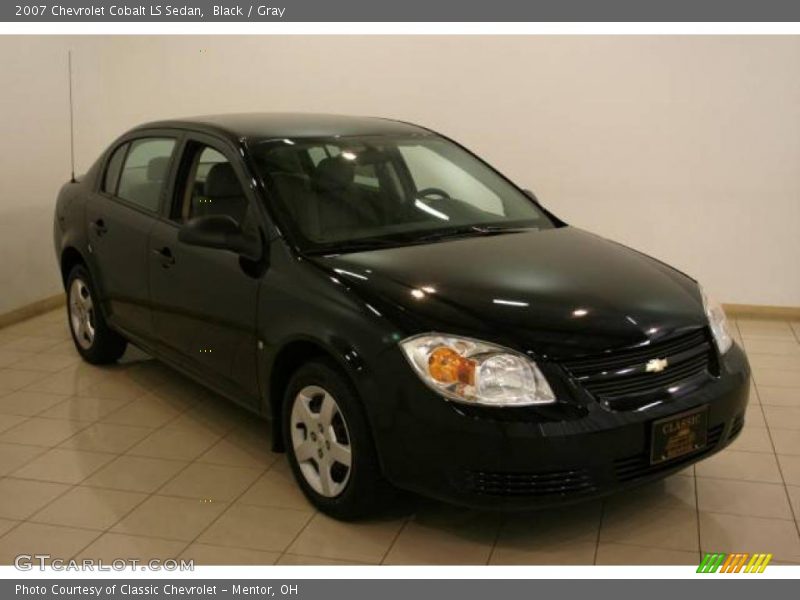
(679,435)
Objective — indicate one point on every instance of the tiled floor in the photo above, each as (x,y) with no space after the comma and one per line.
(136,461)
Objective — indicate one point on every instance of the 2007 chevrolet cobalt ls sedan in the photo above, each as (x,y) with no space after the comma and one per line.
(405,315)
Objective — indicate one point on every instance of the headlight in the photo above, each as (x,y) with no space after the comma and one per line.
(476,372)
(718,323)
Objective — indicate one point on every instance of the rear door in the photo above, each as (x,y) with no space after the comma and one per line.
(204,300)
(120,217)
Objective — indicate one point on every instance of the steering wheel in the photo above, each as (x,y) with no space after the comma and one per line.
(434,191)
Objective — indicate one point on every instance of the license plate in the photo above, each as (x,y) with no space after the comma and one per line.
(679,435)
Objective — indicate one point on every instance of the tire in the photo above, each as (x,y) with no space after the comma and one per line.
(94,341)
(362,490)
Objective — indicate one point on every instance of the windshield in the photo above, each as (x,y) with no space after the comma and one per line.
(347,193)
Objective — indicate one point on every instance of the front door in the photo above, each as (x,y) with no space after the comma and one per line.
(204,300)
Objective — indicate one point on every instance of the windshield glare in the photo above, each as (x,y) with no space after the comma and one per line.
(336,192)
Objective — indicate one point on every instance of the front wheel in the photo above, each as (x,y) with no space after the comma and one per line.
(94,341)
(330,448)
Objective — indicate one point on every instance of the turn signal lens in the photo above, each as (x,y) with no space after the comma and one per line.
(448,366)
(475,372)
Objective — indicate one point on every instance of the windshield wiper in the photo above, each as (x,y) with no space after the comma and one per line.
(412,238)
(355,246)
(469,231)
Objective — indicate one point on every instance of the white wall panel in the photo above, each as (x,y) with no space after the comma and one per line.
(34,162)
(687,148)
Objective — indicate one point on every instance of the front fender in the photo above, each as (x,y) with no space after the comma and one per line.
(328,314)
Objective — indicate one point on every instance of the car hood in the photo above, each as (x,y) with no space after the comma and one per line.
(555,292)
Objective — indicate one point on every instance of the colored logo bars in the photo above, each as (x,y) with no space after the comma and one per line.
(734,563)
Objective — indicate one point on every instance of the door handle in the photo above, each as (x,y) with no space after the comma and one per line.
(165,254)
(99,226)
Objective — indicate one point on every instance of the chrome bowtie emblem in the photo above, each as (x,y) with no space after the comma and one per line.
(656,365)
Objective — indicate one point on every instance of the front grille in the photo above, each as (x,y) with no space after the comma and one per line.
(634,467)
(553,483)
(620,380)
(585,481)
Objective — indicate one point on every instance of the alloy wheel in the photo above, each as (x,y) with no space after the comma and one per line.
(81,313)
(321,441)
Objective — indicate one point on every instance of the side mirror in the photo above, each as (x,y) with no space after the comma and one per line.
(222,233)
(531,195)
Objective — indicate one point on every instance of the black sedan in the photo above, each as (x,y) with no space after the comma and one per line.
(405,315)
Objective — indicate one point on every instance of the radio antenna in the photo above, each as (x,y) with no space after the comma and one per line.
(71,119)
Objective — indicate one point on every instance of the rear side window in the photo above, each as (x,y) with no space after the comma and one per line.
(145,172)
(113,168)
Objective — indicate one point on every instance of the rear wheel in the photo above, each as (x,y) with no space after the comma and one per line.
(329,444)
(95,342)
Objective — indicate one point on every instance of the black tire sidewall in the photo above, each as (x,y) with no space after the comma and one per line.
(358,498)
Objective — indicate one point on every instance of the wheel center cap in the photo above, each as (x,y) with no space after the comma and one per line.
(323,443)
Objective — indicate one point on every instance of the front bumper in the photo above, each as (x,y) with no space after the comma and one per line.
(498,458)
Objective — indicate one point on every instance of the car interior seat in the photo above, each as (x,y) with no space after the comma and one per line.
(223,194)
(148,192)
(340,205)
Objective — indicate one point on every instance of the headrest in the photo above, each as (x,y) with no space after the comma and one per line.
(221,181)
(157,168)
(334,174)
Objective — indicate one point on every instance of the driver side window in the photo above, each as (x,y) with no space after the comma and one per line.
(212,187)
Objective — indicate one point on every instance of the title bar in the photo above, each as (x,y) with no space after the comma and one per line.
(406,11)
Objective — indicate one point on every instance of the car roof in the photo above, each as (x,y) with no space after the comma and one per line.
(289,125)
